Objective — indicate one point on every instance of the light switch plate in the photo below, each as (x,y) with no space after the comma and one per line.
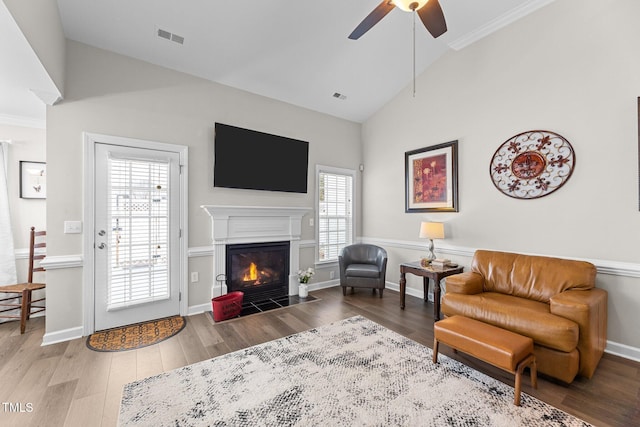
(72,227)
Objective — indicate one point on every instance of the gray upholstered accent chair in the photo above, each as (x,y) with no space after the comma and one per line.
(363,266)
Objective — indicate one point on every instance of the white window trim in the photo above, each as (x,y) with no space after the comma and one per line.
(354,216)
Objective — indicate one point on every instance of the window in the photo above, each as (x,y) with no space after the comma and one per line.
(335,211)
(139,211)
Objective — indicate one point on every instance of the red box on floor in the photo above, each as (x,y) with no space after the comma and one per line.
(227,306)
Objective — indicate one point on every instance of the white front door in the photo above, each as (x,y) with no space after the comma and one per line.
(136,253)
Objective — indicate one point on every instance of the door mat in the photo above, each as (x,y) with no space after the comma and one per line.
(136,336)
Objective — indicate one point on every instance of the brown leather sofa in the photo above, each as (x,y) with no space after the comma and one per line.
(554,301)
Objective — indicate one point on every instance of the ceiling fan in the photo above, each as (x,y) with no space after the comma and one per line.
(429,11)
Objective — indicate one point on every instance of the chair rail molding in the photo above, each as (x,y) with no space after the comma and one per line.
(73,261)
(614,268)
(205,251)
(200,251)
(57,262)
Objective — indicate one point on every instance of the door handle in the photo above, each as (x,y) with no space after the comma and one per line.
(102,246)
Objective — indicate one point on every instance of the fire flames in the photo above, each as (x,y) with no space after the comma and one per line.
(252,274)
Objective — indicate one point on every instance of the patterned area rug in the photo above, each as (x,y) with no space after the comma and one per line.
(350,373)
(136,336)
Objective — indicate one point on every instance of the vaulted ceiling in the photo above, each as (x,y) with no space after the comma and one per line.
(295,51)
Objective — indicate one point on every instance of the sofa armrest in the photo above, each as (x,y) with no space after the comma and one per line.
(342,263)
(464,283)
(588,308)
(381,262)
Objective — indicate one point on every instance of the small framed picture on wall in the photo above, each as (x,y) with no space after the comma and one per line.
(33,180)
(431,178)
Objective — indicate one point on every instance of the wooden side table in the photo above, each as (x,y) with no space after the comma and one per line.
(435,274)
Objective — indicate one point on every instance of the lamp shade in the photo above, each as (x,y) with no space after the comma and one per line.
(406,5)
(432,230)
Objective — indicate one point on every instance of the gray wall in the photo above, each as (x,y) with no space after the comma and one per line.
(572,68)
(110,94)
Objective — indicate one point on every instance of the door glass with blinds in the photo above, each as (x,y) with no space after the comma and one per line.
(335,212)
(136,212)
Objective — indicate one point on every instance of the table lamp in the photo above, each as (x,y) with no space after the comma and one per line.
(431,230)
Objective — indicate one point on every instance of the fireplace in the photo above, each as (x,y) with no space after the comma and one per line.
(260,270)
(238,225)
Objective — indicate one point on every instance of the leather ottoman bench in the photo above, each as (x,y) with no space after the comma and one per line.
(501,348)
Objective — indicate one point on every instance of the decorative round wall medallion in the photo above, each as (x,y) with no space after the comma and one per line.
(532,164)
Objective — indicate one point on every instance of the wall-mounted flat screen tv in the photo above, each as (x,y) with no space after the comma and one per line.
(255,160)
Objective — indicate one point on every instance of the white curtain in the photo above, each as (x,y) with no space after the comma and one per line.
(7,253)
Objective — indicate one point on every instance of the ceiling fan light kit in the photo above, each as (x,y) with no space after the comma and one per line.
(429,11)
(409,5)
(430,14)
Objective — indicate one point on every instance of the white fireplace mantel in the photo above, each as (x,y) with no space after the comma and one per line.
(254,224)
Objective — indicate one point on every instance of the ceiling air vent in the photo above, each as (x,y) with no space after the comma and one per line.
(170,36)
(164,34)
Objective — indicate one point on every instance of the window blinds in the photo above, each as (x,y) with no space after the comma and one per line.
(139,216)
(335,220)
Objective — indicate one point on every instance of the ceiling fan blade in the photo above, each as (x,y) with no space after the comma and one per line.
(433,18)
(372,19)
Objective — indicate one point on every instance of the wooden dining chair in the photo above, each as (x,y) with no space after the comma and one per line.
(23,291)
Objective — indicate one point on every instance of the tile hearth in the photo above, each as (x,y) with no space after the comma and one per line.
(249,308)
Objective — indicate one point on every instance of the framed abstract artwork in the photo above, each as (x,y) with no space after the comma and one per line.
(431,178)
(33,180)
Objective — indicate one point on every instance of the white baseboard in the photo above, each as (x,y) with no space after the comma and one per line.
(324,285)
(410,291)
(623,350)
(62,336)
(197,309)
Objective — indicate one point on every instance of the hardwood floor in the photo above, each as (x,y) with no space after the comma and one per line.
(68,384)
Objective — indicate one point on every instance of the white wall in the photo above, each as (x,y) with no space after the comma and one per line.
(572,67)
(111,94)
(27,144)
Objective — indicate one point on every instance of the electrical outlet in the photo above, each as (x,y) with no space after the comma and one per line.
(194,277)
(310,222)
(332,275)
